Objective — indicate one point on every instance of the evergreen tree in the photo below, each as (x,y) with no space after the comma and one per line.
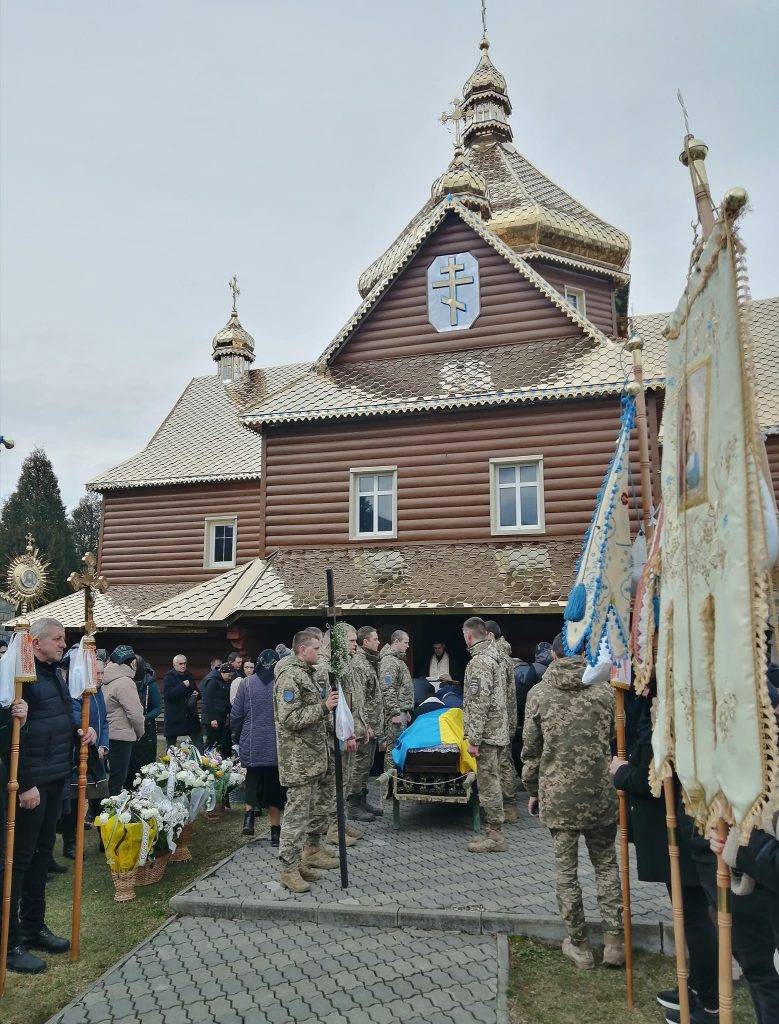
(85,524)
(36,507)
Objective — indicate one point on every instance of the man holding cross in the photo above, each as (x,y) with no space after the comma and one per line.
(45,761)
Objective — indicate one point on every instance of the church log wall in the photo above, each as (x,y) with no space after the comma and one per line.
(772,450)
(443,471)
(512,309)
(598,293)
(157,534)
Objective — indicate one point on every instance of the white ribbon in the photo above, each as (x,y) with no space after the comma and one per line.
(8,672)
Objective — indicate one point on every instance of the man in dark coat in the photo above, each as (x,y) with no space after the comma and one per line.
(180,693)
(46,756)
(216,708)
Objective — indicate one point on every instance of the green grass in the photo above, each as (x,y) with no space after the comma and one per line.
(108,929)
(546,988)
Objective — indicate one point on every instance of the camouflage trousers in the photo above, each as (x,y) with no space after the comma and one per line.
(363,762)
(307,814)
(392,732)
(508,774)
(600,847)
(488,782)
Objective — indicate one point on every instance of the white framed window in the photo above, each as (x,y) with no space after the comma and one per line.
(221,537)
(517,494)
(575,296)
(373,502)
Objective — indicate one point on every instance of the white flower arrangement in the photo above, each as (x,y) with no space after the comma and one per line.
(126,808)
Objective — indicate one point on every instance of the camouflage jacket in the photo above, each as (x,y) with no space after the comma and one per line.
(484,697)
(366,690)
(566,748)
(354,698)
(507,666)
(301,723)
(396,686)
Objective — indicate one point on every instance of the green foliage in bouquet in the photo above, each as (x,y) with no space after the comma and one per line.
(339,651)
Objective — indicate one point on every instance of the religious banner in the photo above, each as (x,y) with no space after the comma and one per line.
(646,607)
(82,671)
(714,721)
(598,606)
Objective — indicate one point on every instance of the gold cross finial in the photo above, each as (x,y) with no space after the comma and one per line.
(684,110)
(30,544)
(454,114)
(233,285)
(88,581)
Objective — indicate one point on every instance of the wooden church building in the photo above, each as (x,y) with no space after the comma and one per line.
(442,454)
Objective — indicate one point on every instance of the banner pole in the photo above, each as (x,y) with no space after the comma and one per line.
(624,848)
(78,864)
(339,791)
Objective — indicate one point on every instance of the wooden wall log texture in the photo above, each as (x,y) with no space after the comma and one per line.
(157,534)
(598,293)
(512,309)
(443,471)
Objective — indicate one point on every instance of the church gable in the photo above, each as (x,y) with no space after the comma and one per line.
(437,304)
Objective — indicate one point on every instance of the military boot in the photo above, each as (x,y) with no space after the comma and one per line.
(492,841)
(356,810)
(353,831)
(510,812)
(613,950)
(308,874)
(332,837)
(294,881)
(373,809)
(317,857)
(580,953)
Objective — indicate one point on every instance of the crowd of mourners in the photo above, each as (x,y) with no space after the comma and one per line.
(546,727)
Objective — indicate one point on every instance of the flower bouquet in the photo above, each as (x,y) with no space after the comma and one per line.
(128,827)
(174,815)
(227,773)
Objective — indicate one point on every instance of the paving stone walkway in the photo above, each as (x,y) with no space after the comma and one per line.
(411,875)
(204,971)
(418,937)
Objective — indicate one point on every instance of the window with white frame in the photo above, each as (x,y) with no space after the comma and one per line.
(517,494)
(221,538)
(575,296)
(373,502)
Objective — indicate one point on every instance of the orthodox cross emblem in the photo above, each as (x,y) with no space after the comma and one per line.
(453,292)
(233,286)
(89,582)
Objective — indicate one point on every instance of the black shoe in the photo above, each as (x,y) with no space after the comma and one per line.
(375,809)
(56,869)
(47,940)
(275,835)
(248,824)
(698,1015)
(669,998)
(22,962)
(69,850)
(357,810)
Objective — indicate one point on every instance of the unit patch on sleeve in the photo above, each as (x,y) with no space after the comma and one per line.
(289,696)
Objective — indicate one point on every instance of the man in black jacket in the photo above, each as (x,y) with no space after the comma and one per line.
(180,693)
(216,708)
(46,756)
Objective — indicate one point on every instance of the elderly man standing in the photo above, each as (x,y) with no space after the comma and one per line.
(365,684)
(45,761)
(508,773)
(397,690)
(302,711)
(485,723)
(180,692)
(566,750)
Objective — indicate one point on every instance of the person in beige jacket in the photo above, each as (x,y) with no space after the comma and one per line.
(125,714)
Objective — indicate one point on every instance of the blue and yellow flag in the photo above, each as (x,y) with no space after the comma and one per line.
(431,730)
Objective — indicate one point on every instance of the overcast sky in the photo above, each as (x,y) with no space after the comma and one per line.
(152,148)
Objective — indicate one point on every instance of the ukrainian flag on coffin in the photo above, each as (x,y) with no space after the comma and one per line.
(433,729)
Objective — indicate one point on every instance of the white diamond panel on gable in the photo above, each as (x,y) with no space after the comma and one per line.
(453,292)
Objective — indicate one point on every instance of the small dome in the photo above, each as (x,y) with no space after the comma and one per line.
(465,183)
(233,338)
(486,77)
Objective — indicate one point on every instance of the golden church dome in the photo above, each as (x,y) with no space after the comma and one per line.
(465,183)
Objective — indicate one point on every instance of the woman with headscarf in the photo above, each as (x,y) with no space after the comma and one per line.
(125,714)
(145,749)
(254,730)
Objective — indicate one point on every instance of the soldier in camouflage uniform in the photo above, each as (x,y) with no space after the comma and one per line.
(508,773)
(485,724)
(397,690)
(367,695)
(301,710)
(566,750)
